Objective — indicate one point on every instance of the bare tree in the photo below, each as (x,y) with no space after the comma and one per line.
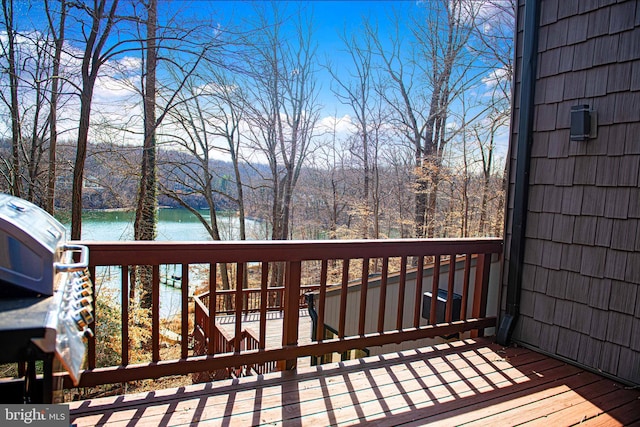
(327,185)
(38,77)
(206,115)
(284,108)
(493,43)
(15,180)
(484,135)
(496,28)
(184,61)
(96,31)
(380,137)
(28,65)
(208,120)
(356,91)
(221,107)
(58,34)
(145,219)
(434,72)
(398,184)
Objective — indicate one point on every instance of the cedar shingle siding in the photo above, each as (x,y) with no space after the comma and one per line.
(581,278)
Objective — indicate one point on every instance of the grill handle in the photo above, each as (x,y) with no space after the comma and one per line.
(74,266)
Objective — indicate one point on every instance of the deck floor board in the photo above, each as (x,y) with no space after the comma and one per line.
(465,383)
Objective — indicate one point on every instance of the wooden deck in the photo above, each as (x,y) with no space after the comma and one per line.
(474,382)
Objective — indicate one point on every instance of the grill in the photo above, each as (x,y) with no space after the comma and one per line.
(46,303)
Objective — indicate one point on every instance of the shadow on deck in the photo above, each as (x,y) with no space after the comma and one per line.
(471,382)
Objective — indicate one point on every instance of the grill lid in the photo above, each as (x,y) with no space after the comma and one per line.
(30,244)
(40,224)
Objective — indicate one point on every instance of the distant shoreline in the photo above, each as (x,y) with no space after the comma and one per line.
(109,210)
(159,207)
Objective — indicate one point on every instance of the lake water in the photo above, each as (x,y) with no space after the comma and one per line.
(173,225)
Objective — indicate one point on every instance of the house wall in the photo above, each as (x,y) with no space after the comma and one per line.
(581,276)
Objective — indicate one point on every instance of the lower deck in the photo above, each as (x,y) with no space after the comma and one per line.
(273,330)
(471,382)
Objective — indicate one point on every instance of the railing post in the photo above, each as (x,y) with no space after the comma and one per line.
(481,289)
(291,311)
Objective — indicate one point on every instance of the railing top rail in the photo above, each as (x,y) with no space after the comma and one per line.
(154,252)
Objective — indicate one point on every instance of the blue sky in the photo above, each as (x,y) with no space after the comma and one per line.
(331,18)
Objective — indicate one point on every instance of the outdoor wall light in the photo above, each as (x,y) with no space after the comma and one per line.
(583,123)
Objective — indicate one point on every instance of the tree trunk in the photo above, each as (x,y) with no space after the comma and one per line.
(421,200)
(483,208)
(81,155)
(16,136)
(53,117)
(145,220)
(91,62)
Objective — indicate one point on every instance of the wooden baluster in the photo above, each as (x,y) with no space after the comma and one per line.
(448,316)
(264,300)
(281,293)
(364,287)
(91,345)
(213,301)
(343,297)
(471,306)
(383,294)
(418,293)
(402,286)
(238,301)
(465,287)
(184,322)
(321,300)
(434,291)
(481,288)
(155,313)
(124,313)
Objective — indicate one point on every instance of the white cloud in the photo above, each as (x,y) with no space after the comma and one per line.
(341,125)
(494,77)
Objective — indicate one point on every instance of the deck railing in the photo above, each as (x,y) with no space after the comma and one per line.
(210,339)
(222,343)
(251,299)
(300,260)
